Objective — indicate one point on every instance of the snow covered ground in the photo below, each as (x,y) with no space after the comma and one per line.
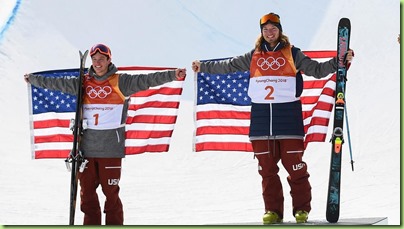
(182,187)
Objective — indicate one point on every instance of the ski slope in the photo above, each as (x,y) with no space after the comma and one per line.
(182,187)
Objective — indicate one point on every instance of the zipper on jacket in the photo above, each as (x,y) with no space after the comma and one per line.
(117,135)
(270,119)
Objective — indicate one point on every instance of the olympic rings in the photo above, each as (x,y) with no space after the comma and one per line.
(271,62)
(100,92)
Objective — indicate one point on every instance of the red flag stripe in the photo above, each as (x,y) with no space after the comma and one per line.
(222,115)
(160,91)
(148,148)
(320,121)
(223,130)
(152,119)
(54,138)
(157,104)
(42,154)
(317,83)
(314,99)
(316,137)
(321,54)
(142,134)
(320,106)
(51,123)
(223,146)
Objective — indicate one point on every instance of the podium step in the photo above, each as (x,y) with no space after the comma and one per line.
(342,222)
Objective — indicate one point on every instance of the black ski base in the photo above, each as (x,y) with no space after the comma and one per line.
(76,158)
(337,140)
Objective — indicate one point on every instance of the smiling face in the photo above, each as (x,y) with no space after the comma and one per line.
(271,34)
(100,63)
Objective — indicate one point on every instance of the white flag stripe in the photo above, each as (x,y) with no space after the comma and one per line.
(309,107)
(317,113)
(52,131)
(324,98)
(158,97)
(149,126)
(321,113)
(222,122)
(222,138)
(53,146)
(317,129)
(172,84)
(315,91)
(320,59)
(222,107)
(53,115)
(149,141)
(153,111)
(311,78)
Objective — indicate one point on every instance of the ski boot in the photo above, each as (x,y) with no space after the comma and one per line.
(301,216)
(271,218)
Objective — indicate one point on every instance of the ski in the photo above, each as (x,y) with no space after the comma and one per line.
(76,158)
(337,139)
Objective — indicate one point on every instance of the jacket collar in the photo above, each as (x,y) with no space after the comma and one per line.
(267,48)
(111,70)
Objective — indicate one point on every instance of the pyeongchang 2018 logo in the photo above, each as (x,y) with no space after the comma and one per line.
(271,63)
(98,92)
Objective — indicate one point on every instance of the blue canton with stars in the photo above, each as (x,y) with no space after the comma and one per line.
(223,88)
(46,100)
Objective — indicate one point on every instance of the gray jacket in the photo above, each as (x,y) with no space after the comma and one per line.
(105,143)
(242,63)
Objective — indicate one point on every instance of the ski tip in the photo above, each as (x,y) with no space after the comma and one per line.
(83,54)
(344,21)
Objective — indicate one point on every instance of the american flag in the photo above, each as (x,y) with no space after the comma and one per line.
(151,118)
(223,108)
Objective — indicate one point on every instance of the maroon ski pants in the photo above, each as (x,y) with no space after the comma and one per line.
(290,153)
(107,173)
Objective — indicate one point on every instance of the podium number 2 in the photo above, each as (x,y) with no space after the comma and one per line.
(271,91)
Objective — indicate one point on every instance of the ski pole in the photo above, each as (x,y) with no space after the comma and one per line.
(347,126)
